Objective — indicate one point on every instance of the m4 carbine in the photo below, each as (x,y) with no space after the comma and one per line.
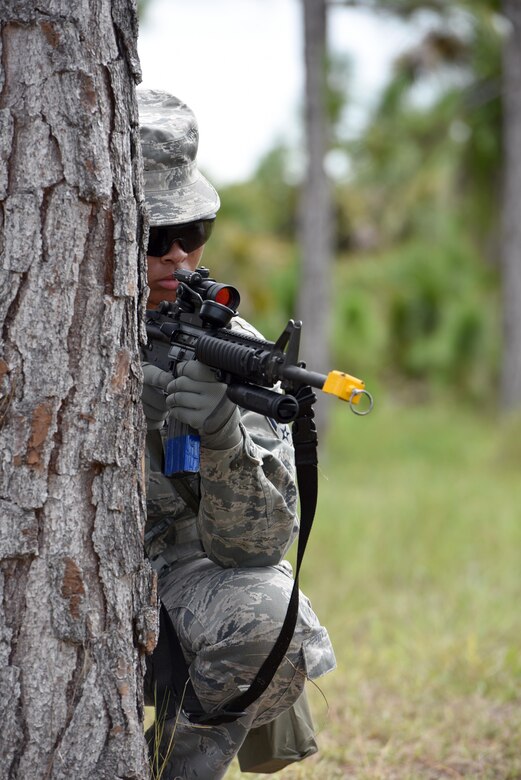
(197,326)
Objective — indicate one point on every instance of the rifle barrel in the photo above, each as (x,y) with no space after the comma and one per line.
(344,386)
(301,376)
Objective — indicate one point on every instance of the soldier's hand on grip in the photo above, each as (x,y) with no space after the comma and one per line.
(197,398)
(153,396)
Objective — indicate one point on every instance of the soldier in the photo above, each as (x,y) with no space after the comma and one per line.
(218,549)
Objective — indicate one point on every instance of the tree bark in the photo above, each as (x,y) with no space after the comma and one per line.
(77,606)
(314,305)
(511,235)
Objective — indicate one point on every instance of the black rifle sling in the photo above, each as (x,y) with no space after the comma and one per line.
(305,444)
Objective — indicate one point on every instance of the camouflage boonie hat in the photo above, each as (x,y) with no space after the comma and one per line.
(175,191)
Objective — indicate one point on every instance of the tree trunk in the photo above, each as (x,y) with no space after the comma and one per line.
(77,604)
(314,304)
(511,238)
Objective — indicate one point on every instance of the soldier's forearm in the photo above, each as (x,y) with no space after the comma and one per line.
(247,515)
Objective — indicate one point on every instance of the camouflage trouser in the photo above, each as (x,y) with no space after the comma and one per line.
(227,621)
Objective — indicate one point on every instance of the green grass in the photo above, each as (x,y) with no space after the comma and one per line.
(414,567)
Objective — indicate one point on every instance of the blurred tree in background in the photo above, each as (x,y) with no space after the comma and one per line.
(511,235)
(314,224)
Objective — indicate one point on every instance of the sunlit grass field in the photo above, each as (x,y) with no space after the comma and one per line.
(414,567)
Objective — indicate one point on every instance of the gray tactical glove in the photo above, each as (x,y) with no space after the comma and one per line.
(153,395)
(197,398)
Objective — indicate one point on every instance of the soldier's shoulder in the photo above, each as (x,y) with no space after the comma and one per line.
(240,324)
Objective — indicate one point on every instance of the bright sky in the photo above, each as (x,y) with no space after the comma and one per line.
(239,65)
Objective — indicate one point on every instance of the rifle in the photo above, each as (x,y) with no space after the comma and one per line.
(197,326)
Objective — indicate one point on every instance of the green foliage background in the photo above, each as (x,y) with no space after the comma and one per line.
(417,220)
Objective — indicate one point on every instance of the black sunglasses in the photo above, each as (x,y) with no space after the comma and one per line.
(191,236)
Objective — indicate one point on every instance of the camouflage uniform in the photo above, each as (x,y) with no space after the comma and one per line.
(221,571)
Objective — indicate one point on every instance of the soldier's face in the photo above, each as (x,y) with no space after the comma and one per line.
(160,272)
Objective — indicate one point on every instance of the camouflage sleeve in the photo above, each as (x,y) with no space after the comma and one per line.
(247,515)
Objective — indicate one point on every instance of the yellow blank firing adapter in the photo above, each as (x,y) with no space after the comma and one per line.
(348,388)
